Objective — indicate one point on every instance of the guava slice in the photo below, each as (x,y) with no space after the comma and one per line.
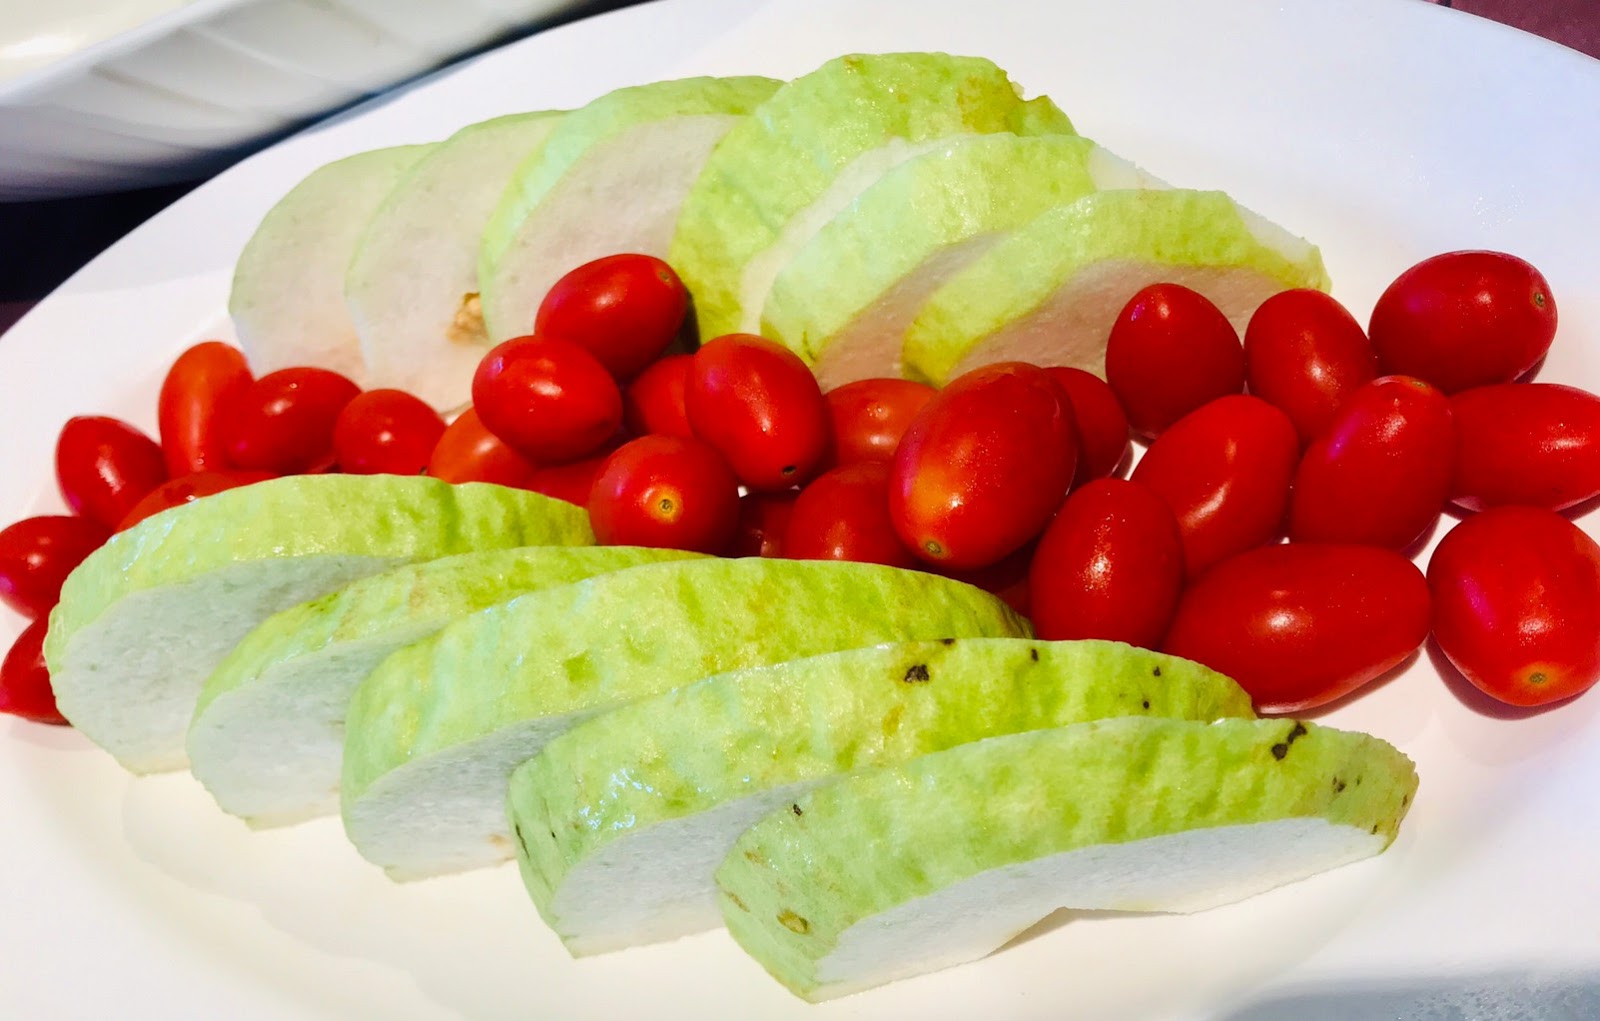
(434,733)
(146,618)
(609,179)
(809,150)
(1049,292)
(412,285)
(268,732)
(845,300)
(623,820)
(287,301)
(944,859)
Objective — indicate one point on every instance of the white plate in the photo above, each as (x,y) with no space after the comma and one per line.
(1385,130)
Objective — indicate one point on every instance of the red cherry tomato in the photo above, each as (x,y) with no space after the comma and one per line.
(572,482)
(467,452)
(1302,624)
(386,432)
(1534,444)
(1380,475)
(548,398)
(1464,319)
(105,466)
(187,489)
(1516,604)
(653,404)
(759,406)
(25,680)
(665,492)
(763,518)
(1305,353)
(37,554)
(870,415)
(624,309)
(844,515)
(205,379)
(1102,426)
(1170,351)
(1225,471)
(1109,566)
(983,467)
(283,422)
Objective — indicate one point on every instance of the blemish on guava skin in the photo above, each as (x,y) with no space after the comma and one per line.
(522,841)
(1034,653)
(1338,786)
(1281,749)
(947,641)
(737,902)
(793,922)
(755,858)
(1145,703)
(1374,829)
(891,721)
(1155,671)
(796,810)
(917,673)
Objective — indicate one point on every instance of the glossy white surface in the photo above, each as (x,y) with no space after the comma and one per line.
(1385,130)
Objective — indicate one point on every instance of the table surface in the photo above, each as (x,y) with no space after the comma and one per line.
(43,243)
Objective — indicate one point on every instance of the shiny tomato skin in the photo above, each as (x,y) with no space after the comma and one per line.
(653,404)
(468,452)
(386,432)
(1225,470)
(1102,425)
(1530,444)
(203,381)
(548,398)
(665,492)
(624,309)
(1170,351)
(1516,604)
(983,466)
(283,422)
(763,519)
(1381,472)
(187,489)
(1302,624)
(572,482)
(1110,565)
(1305,353)
(25,680)
(37,554)
(869,416)
(104,466)
(1464,319)
(844,515)
(756,402)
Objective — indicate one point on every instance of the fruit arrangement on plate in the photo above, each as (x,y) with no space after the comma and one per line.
(720,499)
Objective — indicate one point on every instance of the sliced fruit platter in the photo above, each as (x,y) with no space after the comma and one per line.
(857,511)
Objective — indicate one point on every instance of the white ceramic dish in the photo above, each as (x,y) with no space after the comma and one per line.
(1385,130)
(100,95)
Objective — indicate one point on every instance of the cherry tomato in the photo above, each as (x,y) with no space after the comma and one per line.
(1305,353)
(983,466)
(763,518)
(1516,604)
(1170,351)
(1302,624)
(547,398)
(467,452)
(1109,566)
(1380,475)
(105,466)
(1225,471)
(759,406)
(386,432)
(665,492)
(283,422)
(1464,319)
(572,482)
(205,379)
(653,404)
(1535,444)
(187,489)
(1102,426)
(37,554)
(870,415)
(844,515)
(624,309)
(25,680)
